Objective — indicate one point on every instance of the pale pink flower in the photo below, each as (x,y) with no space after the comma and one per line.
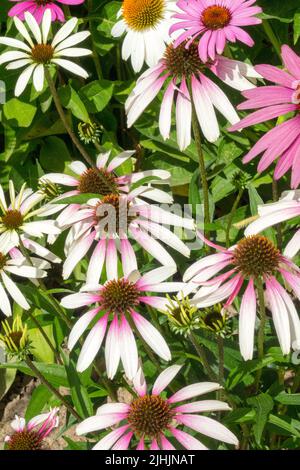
(110,222)
(288,207)
(179,71)
(37,8)
(117,303)
(30,436)
(213,23)
(151,419)
(283,141)
(254,259)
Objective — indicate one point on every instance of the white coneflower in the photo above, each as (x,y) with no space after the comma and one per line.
(16,222)
(146,24)
(36,52)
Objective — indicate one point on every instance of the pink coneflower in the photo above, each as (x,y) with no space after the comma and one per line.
(216,22)
(288,207)
(104,180)
(179,69)
(254,259)
(150,419)
(283,141)
(118,301)
(30,436)
(38,7)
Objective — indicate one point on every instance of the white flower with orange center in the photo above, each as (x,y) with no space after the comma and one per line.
(151,419)
(17,226)
(36,52)
(146,24)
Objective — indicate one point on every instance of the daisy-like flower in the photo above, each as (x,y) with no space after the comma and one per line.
(118,301)
(146,24)
(288,207)
(13,262)
(213,23)
(253,260)
(38,7)
(30,436)
(37,52)
(104,180)
(110,222)
(283,141)
(16,224)
(178,71)
(151,419)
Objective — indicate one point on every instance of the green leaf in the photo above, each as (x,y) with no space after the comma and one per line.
(79,393)
(99,93)
(54,373)
(71,100)
(79,198)
(38,400)
(283,424)
(20,114)
(296,26)
(288,398)
(263,405)
(54,154)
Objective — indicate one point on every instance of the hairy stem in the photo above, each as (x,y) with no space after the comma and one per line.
(202,170)
(278,226)
(272,38)
(52,389)
(45,336)
(261,331)
(231,215)
(202,355)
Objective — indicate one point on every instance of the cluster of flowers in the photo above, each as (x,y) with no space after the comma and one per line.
(184,55)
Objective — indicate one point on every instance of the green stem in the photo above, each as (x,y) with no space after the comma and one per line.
(231,215)
(278,226)
(202,355)
(106,383)
(296,383)
(95,54)
(45,336)
(272,38)
(52,389)
(261,331)
(202,170)
(221,359)
(55,304)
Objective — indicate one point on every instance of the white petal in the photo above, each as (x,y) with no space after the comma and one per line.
(92,344)
(38,77)
(64,31)
(194,390)
(33,26)
(24,79)
(129,353)
(14,291)
(71,67)
(165,378)
(80,326)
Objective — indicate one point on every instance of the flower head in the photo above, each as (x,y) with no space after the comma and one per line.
(181,73)
(38,7)
(288,207)
(251,261)
(213,23)
(151,417)
(118,301)
(30,436)
(89,132)
(146,24)
(282,143)
(36,52)
(16,225)
(15,338)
